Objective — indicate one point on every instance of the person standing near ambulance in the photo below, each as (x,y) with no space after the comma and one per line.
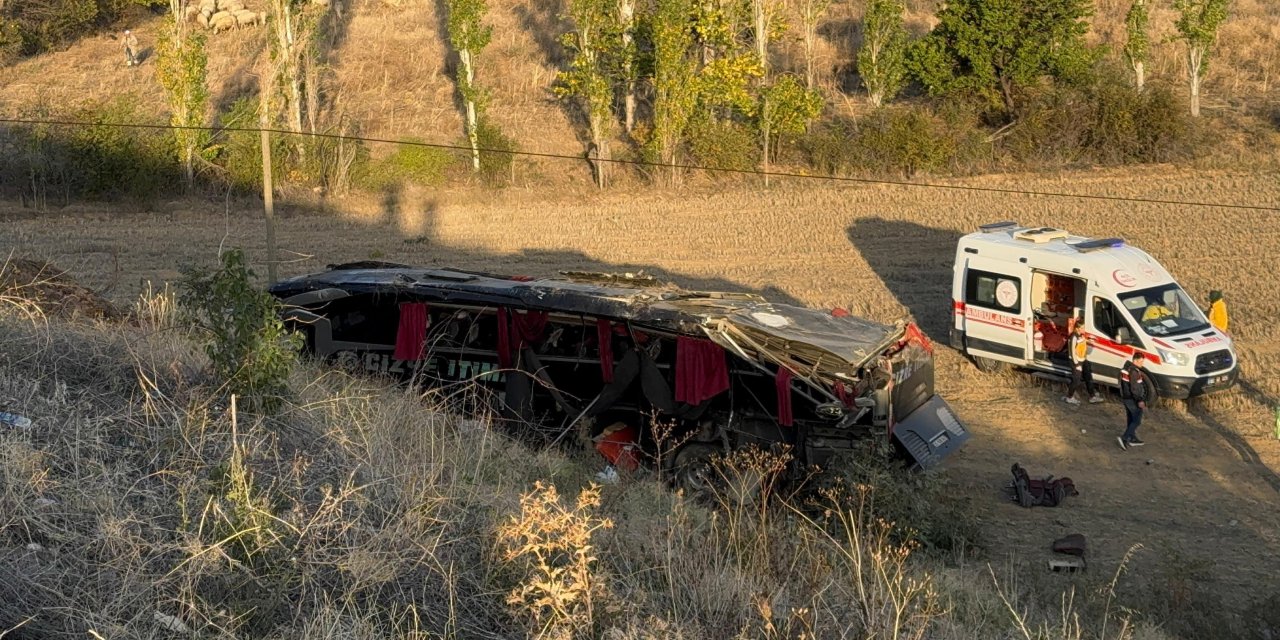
(1135,390)
(1081,369)
(1218,311)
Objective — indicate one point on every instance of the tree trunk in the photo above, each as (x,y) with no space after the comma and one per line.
(810,43)
(626,13)
(764,157)
(311,82)
(1195,58)
(1139,75)
(473,132)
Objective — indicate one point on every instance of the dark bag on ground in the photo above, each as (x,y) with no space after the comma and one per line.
(1044,492)
(1073,544)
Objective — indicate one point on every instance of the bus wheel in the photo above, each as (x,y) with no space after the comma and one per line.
(987,365)
(694,470)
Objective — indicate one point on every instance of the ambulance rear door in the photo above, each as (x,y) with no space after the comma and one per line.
(995,310)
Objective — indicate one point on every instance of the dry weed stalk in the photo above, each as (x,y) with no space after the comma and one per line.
(550,546)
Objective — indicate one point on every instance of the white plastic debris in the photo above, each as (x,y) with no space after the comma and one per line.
(14,420)
(171,623)
(608,476)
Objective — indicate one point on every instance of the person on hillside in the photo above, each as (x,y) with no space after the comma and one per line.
(1135,390)
(130,43)
(1218,311)
(1081,368)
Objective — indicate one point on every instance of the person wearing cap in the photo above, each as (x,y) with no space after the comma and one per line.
(130,42)
(1135,390)
(1218,311)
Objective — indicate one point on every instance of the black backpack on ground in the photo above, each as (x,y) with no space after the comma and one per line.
(1046,492)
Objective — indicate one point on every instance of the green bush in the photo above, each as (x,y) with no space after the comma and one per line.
(495,166)
(95,162)
(35,26)
(904,140)
(239,153)
(251,351)
(409,163)
(723,144)
(1105,121)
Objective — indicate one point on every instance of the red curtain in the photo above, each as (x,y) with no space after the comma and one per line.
(411,335)
(604,333)
(701,370)
(526,328)
(783,381)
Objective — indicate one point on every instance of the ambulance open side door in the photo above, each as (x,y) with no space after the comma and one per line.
(994,322)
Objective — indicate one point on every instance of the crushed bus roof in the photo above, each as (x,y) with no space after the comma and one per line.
(739,322)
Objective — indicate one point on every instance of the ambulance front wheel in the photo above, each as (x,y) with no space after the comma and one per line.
(987,365)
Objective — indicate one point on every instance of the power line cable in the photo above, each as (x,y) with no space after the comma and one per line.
(644,163)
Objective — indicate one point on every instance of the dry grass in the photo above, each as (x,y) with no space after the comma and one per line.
(424,483)
(142,503)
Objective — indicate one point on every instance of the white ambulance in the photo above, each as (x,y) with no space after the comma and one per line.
(1015,288)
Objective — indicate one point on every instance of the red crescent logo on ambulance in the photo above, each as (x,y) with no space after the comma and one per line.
(1124,278)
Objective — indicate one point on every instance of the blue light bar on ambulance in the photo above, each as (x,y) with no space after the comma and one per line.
(1094,245)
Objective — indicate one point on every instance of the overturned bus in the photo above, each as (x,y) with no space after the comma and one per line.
(611,356)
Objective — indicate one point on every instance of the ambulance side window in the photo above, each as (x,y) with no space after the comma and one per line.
(1108,320)
(993,291)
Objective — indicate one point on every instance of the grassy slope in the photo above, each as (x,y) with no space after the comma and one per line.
(120,504)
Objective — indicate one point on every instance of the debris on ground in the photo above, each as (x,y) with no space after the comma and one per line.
(51,290)
(1072,548)
(14,420)
(1038,492)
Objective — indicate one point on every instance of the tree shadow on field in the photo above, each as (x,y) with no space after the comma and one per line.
(914,262)
(542,19)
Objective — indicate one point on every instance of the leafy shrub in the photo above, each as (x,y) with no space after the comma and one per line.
(96,162)
(410,163)
(1105,121)
(239,153)
(495,166)
(247,343)
(903,140)
(35,26)
(723,144)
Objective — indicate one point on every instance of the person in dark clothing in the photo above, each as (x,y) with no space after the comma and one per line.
(1135,391)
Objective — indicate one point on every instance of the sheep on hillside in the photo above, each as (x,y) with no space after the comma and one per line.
(245,17)
(222,21)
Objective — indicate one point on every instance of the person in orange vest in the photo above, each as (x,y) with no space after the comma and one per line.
(1081,370)
(1218,311)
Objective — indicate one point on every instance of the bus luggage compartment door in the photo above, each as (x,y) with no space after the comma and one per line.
(930,433)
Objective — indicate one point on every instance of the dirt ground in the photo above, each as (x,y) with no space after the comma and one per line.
(1201,497)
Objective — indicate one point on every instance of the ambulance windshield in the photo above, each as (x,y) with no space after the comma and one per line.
(1166,310)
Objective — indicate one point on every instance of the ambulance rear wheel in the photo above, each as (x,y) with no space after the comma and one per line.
(987,365)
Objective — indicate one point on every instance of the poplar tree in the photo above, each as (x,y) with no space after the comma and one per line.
(882,59)
(469,35)
(181,67)
(1137,43)
(1197,25)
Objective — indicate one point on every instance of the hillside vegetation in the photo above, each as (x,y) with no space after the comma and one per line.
(387,70)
